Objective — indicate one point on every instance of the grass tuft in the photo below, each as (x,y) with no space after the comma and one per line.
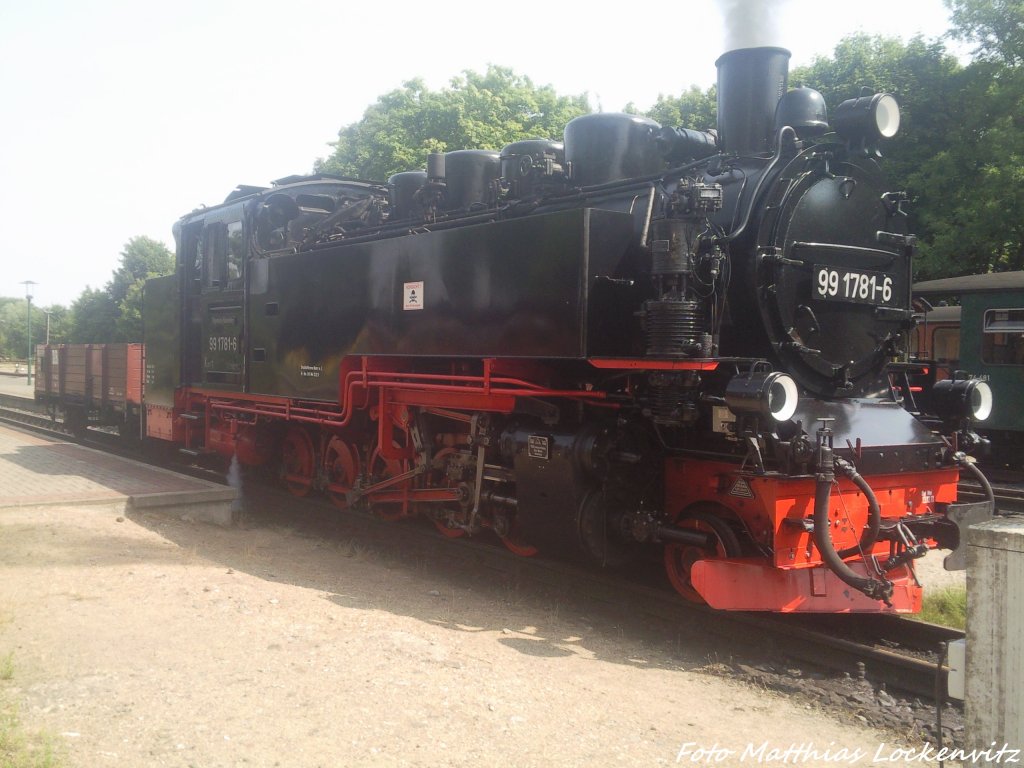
(21,750)
(946,606)
(7,666)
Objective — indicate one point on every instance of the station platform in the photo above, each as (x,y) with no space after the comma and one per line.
(17,386)
(41,471)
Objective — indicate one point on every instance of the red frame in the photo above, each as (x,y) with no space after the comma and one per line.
(771,508)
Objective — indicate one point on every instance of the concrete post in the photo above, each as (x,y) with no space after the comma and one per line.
(994,705)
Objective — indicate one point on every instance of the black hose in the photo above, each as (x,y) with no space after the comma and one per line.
(877,589)
(986,486)
(940,696)
(870,535)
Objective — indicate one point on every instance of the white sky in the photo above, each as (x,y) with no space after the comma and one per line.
(119,116)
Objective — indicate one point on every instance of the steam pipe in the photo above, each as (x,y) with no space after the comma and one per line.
(776,158)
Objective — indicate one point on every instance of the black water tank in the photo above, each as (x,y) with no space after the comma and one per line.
(606,147)
(527,164)
(403,186)
(470,176)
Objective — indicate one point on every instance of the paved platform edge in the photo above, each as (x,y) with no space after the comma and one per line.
(214,505)
(121,501)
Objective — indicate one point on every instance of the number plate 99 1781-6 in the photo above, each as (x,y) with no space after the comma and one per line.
(859,286)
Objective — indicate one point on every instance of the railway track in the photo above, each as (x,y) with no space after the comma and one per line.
(24,412)
(901,653)
(1009,499)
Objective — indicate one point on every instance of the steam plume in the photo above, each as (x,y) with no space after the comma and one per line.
(234,479)
(752,23)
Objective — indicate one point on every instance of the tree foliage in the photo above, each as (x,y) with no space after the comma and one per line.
(996,27)
(477,111)
(114,313)
(923,77)
(94,317)
(972,189)
(693,108)
(14,326)
(961,143)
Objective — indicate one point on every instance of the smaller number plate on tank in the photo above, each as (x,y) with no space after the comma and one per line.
(858,286)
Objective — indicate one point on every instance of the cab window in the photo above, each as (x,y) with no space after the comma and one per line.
(215,244)
(235,251)
(223,256)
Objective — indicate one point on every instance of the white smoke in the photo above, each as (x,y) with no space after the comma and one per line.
(752,23)
(234,479)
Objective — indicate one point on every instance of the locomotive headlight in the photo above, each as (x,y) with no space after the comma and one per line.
(962,399)
(771,395)
(868,118)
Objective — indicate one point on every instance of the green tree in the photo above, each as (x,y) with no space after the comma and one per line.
(60,324)
(957,153)
(693,108)
(14,326)
(115,312)
(13,323)
(141,259)
(971,191)
(94,317)
(477,111)
(922,75)
(996,27)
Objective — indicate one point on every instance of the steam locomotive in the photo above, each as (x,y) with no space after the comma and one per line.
(639,341)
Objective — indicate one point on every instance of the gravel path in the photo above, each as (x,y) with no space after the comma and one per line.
(151,642)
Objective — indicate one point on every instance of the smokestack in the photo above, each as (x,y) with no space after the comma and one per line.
(750,83)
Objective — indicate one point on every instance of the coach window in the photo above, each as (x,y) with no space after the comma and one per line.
(235,255)
(946,345)
(1002,340)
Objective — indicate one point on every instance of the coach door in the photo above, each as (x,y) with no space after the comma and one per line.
(221,305)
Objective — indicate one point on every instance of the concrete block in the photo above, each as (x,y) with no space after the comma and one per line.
(994,704)
(213,505)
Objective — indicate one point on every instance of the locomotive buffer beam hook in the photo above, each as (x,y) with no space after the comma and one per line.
(913,550)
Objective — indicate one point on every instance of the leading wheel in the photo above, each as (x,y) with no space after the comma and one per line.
(680,557)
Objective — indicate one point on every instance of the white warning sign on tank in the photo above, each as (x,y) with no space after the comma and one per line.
(742,489)
(413,297)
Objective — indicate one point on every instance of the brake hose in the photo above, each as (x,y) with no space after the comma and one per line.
(877,589)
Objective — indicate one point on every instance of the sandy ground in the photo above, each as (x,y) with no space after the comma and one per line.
(151,642)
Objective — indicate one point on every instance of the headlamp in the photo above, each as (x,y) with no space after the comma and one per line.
(962,399)
(868,119)
(770,395)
